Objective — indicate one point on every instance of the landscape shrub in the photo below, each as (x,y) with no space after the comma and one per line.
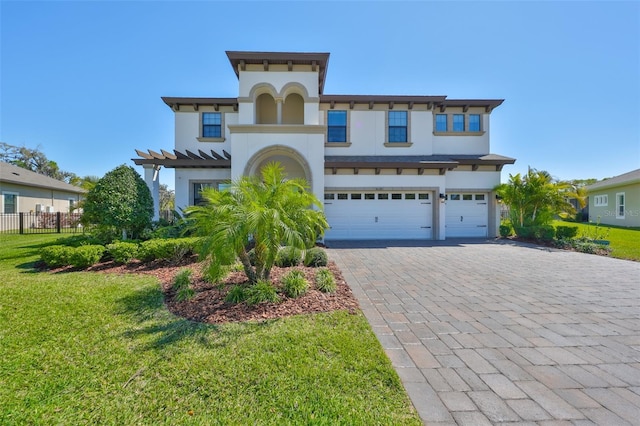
(316,257)
(325,281)
(182,285)
(122,251)
(294,284)
(288,256)
(172,249)
(56,256)
(261,292)
(537,232)
(505,230)
(237,294)
(566,232)
(85,256)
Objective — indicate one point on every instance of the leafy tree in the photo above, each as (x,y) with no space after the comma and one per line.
(264,213)
(34,160)
(120,200)
(535,198)
(167,197)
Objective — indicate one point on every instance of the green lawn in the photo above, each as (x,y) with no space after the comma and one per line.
(625,242)
(89,348)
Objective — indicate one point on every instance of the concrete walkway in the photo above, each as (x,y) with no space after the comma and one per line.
(483,332)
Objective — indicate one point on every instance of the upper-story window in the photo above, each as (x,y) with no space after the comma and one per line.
(211,125)
(458,122)
(474,122)
(336,126)
(398,126)
(441,123)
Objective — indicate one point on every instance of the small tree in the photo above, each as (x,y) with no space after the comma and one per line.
(534,199)
(120,200)
(261,214)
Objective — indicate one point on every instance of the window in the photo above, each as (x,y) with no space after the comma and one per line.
(458,122)
(620,205)
(479,197)
(197,192)
(398,126)
(10,202)
(396,196)
(601,200)
(454,197)
(329,196)
(336,126)
(369,196)
(342,196)
(467,197)
(423,196)
(441,122)
(474,122)
(356,196)
(409,196)
(383,196)
(211,125)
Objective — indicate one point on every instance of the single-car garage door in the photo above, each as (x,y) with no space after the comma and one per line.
(361,215)
(467,215)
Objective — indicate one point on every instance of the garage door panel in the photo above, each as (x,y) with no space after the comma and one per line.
(379,217)
(467,215)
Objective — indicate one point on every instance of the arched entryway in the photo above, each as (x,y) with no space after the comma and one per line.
(295,165)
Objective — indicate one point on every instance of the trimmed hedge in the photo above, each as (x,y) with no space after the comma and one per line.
(56,256)
(167,249)
(537,232)
(85,256)
(566,232)
(122,251)
(316,257)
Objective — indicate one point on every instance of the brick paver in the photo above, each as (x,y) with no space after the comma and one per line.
(484,332)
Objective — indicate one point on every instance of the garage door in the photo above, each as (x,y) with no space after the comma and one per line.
(467,215)
(378,215)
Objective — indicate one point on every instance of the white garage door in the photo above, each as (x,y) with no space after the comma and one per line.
(467,215)
(363,215)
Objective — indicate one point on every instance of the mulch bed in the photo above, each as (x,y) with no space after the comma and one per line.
(208,305)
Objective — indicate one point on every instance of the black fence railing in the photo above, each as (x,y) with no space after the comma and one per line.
(40,223)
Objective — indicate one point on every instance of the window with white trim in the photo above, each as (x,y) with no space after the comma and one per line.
(398,126)
(620,205)
(211,127)
(10,202)
(337,126)
(601,200)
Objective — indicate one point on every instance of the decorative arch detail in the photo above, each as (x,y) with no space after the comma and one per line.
(294,87)
(278,153)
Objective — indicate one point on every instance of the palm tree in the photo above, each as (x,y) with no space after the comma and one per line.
(264,213)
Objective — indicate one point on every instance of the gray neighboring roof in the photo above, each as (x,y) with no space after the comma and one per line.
(19,176)
(623,179)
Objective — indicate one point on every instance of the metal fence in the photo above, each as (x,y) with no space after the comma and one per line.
(40,223)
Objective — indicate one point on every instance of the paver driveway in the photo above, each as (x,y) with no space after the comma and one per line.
(482,332)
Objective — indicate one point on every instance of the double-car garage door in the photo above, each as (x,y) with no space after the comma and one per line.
(366,215)
(361,215)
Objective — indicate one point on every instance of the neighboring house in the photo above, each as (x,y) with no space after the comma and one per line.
(24,191)
(401,167)
(616,201)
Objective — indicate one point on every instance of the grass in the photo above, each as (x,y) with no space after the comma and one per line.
(90,348)
(624,242)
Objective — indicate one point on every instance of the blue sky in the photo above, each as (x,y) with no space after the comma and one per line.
(82,81)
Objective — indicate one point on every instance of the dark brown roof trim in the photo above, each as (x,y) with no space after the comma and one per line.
(175,103)
(320,60)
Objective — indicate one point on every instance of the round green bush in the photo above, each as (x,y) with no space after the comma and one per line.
(85,256)
(288,256)
(316,257)
(56,256)
(122,251)
(505,230)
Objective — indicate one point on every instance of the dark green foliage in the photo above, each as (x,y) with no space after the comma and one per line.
(56,256)
(325,281)
(294,284)
(261,292)
(172,249)
(288,256)
(505,230)
(315,257)
(182,285)
(237,294)
(122,251)
(540,232)
(121,201)
(566,232)
(85,256)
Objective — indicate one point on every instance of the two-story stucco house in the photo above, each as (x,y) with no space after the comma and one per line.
(400,167)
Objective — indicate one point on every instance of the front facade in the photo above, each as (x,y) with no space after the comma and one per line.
(616,201)
(400,167)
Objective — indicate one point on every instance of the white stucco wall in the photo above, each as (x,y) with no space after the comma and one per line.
(185,177)
(472,180)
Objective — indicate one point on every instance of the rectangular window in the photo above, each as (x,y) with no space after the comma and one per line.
(356,196)
(343,196)
(369,196)
(441,122)
(423,196)
(383,196)
(398,126)
(336,126)
(479,197)
(620,205)
(458,122)
(329,196)
(474,122)
(454,197)
(197,193)
(211,125)
(396,196)
(601,200)
(10,202)
(467,197)
(409,196)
